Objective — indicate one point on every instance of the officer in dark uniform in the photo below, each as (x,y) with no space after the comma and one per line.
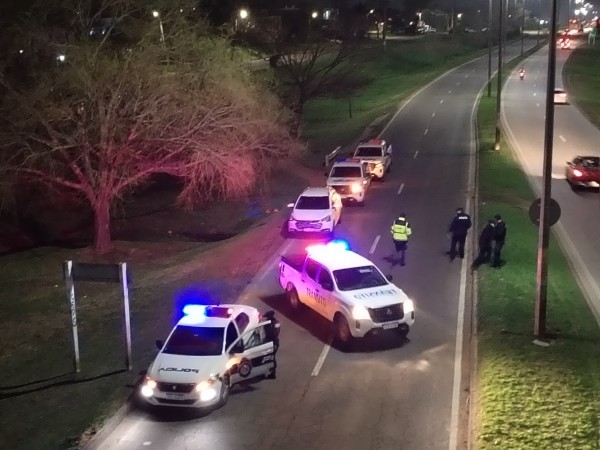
(459,227)
(272,335)
(499,238)
(486,239)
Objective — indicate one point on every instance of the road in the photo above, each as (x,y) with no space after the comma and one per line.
(523,117)
(383,395)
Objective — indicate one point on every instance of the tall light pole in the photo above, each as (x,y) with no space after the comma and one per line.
(541,292)
(490,49)
(499,90)
(522,25)
(156,15)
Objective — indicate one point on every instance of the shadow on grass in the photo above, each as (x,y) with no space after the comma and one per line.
(19,393)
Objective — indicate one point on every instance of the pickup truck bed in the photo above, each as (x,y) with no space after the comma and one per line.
(294,261)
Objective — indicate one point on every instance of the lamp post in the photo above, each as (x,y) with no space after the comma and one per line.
(156,15)
(499,88)
(490,49)
(522,25)
(243,15)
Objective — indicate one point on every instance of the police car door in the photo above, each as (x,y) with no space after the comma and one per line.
(254,354)
(310,287)
(326,293)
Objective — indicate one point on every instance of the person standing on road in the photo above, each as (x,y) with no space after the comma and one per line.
(400,233)
(459,227)
(486,239)
(272,335)
(499,238)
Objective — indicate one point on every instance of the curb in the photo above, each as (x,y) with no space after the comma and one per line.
(110,425)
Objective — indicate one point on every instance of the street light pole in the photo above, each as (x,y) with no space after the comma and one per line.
(539,328)
(499,88)
(490,49)
(522,26)
(156,14)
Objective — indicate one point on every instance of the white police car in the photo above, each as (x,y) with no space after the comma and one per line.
(210,349)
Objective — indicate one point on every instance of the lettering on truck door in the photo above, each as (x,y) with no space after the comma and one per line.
(327,293)
(310,285)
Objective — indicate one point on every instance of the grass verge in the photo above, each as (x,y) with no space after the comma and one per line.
(530,397)
(582,73)
(44,405)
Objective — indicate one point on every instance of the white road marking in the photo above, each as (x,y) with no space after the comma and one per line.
(458,83)
(416,153)
(400,189)
(375,242)
(534,94)
(433,115)
(534,86)
(426,131)
(441,101)
(449,92)
(562,138)
(321,360)
(537,104)
(466,76)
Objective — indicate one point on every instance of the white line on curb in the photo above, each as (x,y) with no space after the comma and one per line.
(321,360)
(400,189)
(562,138)
(375,242)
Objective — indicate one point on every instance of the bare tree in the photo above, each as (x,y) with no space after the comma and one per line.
(103,122)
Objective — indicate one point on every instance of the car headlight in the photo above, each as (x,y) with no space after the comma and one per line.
(326,219)
(356,188)
(207,384)
(359,312)
(409,306)
(148,387)
(208,394)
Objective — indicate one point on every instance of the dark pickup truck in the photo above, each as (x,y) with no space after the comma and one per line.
(583,171)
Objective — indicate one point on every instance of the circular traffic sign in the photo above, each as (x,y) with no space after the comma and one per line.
(553,211)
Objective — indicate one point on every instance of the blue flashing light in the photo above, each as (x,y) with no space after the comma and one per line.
(339,244)
(194,310)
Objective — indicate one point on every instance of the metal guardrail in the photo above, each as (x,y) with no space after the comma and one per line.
(332,155)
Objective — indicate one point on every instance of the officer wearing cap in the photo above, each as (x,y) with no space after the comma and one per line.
(400,233)
(458,229)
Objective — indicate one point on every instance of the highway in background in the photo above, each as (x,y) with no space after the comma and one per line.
(385,394)
(524,116)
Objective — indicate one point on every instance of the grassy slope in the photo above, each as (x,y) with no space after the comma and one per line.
(530,397)
(582,72)
(36,350)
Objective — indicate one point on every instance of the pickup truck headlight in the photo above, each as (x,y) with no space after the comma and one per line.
(409,306)
(359,312)
(356,188)
(326,219)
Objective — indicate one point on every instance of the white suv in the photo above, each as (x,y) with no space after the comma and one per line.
(317,210)
(351,179)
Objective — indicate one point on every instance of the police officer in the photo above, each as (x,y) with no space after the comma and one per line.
(400,232)
(272,335)
(459,227)
(486,239)
(499,238)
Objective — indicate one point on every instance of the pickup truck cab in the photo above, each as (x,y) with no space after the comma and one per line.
(347,289)
(351,179)
(583,171)
(377,154)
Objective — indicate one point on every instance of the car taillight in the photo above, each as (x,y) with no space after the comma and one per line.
(577,173)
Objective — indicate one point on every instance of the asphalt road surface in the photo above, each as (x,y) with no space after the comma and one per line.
(524,115)
(385,394)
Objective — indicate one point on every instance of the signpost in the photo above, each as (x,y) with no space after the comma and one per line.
(98,273)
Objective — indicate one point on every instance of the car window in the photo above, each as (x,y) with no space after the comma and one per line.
(359,278)
(256,338)
(195,341)
(305,202)
(368,151)
(325,277)
(346,172)
(231,335)
(311,269)
(242,321)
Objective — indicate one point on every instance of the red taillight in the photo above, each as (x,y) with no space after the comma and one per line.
(577,173)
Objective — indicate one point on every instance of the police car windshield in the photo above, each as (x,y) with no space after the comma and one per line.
(368,151)
(358,278)
(346,172)
(195,341)
(305,202)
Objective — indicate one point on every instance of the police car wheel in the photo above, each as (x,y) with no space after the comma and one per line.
(361,204)
(342,330)
(225,390)
(293,298)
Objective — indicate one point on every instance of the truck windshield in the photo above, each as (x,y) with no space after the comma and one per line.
(195,341)
(358,278)
(346,172)
(368,151)
(306,202)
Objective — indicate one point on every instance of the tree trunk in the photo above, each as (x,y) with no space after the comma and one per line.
(102,238)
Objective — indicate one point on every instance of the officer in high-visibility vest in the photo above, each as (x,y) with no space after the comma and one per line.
(400,232)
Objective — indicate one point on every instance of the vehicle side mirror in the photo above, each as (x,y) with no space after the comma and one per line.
(159,344)
(389,277)
(290,205)
(327,285)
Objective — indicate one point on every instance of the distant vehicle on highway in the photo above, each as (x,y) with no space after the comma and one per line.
(348,290)
(583,171)
(212,348)
(560,97)
(564,43)
(317,210)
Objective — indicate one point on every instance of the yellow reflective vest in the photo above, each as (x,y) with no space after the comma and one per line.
(401,229)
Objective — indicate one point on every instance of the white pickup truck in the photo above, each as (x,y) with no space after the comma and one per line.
(347,289)
(378,154)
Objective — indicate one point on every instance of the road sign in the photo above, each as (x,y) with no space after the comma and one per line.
(553,212)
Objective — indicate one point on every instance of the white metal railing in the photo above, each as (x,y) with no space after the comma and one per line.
(332,155)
